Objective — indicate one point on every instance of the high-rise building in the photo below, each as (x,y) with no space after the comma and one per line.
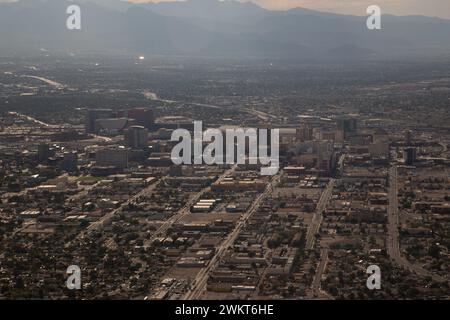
(348,125)
(410,155)
(144,117)
(69,162)
(305,132)
(112,157)
(324,155)
(95,114)
(408,137)
(322,147)
(43,152)
(136,137)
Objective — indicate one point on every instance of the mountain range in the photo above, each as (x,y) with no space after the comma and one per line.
(215,28)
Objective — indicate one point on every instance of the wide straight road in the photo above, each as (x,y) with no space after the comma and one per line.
(100,223)
(202,277)
(393,242)
(186,209)
(319,272)
(53,126)
(167,224)
(52,83)
(318,215)
(31,119)
(260,114)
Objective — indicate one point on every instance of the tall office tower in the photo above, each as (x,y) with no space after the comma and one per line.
(323,146)
(95,114)
(349,126)
(410,155)
(323,151)
(69,162)
(136,137)
(112,157)
(408,137)
(43,152)
(144,117)
(305,132)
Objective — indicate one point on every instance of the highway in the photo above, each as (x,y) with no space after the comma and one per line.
(260,114)
(52,83)
(313,228)
(202,277)
(31,119)
(43,124)
(393,242)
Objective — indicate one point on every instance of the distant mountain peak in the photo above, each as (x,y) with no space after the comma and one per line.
(214,28)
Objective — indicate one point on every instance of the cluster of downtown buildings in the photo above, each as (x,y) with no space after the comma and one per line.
(109,194)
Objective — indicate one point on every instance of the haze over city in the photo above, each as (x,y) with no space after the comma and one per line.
(215,28)
(438,8)
(220,152)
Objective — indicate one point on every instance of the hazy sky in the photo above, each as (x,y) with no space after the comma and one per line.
(438,8)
